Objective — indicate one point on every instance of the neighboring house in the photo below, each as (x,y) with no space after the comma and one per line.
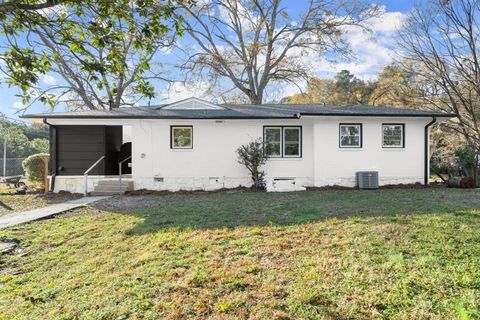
(191,144)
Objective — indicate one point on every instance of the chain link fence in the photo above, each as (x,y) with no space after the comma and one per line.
(14,166)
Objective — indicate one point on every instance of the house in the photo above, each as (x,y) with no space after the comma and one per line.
(191,144)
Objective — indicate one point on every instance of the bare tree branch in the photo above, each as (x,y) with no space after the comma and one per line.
(253,43)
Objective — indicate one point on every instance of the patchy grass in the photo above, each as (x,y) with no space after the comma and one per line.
(393,254)
(16,203)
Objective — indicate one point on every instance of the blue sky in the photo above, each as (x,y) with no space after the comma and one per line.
(373,52)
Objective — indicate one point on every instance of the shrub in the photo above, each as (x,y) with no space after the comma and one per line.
(34,167)
(252,156)
(467,182)
(467,157)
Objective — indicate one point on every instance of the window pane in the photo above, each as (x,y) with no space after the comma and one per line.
(273,135)
(272,149)
(350,130)
(291,141)
(393,135)
(292,135)
(182,137)
(350,135)
(292,149)
(273,140)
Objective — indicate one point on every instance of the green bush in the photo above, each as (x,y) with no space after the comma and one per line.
(252,156)
(34,167)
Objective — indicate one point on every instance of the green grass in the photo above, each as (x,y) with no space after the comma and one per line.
(391,254)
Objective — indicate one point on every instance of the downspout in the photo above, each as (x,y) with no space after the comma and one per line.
(53,161)
(427,156)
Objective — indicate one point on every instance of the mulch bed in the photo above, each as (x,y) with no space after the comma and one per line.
(145,192)
(387,186)
(60,196)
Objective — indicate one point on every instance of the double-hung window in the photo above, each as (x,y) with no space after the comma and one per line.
(393,135)
(283,142)
(350,135)
(181,137)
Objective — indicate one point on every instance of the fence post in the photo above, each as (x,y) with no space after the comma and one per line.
(5,154)
(46,182)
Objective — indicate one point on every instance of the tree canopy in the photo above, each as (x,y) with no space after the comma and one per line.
(254,43)
(102,50)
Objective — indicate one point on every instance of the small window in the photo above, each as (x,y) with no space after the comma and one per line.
(291,138)
(350,135)
(181,137)
(273,141)
(393,135)
(283,142)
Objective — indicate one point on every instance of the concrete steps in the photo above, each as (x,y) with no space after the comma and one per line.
(111,187)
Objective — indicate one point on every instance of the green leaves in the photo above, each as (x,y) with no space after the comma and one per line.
(93,45)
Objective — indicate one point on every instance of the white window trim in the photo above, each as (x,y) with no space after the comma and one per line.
(172,137)
(402,141)
(360,140)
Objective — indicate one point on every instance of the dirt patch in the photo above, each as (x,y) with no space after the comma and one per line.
(60,196)
(387,186)
(145,192)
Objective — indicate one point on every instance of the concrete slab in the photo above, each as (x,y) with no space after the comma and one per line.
(35,214)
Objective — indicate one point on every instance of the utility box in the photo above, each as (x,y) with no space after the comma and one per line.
(367,179)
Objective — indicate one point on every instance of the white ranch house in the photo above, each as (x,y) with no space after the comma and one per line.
(191,144)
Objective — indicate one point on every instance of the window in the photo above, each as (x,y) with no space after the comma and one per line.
(181,137)
(291,140)
(350,135)
(283,142)
(393,135)
(273,141)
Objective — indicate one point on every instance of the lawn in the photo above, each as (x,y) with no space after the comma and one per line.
(391,254)
(13,203)
(16,203)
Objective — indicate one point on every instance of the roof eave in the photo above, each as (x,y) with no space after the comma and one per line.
(428,115)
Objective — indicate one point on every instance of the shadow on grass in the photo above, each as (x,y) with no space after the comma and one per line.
(5,206)
(237,209)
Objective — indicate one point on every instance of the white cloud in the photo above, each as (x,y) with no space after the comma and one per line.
(183,90)
(49,80)
(18,105)
(372,51)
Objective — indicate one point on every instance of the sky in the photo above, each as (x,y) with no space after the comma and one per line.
(372,51)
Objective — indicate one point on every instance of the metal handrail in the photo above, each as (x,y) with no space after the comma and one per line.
(85,174)
(120,173)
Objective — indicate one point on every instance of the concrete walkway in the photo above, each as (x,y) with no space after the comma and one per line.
(35,214)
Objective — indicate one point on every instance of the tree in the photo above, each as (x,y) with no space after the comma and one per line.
(253,43)
(23,140)
(101,49)
(39,145)
(441,40)
(252,155)
(317,91)
(396,86)
(345,89)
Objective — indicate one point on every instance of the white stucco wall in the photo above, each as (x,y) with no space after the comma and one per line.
(212,163)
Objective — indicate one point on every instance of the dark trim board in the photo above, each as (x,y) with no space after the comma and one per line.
(427,156)
(294,116)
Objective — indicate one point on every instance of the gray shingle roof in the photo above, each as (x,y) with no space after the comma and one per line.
(231,111)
